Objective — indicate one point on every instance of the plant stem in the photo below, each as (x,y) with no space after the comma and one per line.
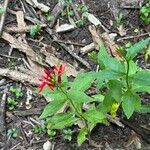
(127,74)
(78,113)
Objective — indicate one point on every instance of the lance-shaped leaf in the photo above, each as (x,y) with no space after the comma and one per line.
(94,116)
(62,120)
(142,78)
(53,106)
(82,135)
(136,48)
(83,81)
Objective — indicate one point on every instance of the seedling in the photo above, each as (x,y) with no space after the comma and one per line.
(35,30)
(68,9)
(17,91)
(145,13)
(51,133)
(67,134)
(50,18)
(80,23)
(13,132)
(11,103)
(38,130)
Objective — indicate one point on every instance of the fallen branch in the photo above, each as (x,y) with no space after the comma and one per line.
(132,37)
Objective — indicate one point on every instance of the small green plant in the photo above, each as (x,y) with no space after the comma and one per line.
(17,91)
(119,19)
(68,9)
(119,82)
(50,18)
(83,9)
(35,30)
(2,10)
(38,129)
(13,132)
(51,133)
(145,13)
(67,134)
(11,103)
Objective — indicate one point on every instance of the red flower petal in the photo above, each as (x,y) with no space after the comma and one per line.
(61,70)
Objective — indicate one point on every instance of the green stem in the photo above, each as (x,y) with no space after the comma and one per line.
(78,113)
(127,74)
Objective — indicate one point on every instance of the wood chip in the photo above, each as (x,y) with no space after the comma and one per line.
(65,28)
(87,48)
(36,4)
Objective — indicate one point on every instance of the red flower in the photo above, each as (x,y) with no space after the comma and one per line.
(51,77)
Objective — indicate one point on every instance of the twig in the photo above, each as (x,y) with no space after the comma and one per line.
(55,12)
(23,134)
(2,117)
(14,147)
(132,37)
(70,43)
(3,16)
(35,111)
(75,11)
(81,60)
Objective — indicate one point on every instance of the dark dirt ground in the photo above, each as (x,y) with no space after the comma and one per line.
(109,137)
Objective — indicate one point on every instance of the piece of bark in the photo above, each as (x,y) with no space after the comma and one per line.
(33,111)
(19,76)
(38,5)
(88,48)
(96,37)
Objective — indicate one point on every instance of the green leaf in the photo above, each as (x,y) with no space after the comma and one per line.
(98,97)
(107,103)
(131,102)
(52,107)
(107,62)
(79,97)
(136,48)
(141,78)
(94,116)
(133,67)
(102,55)
(144,109)
(106,75)
(83,81)
(61,120)
(82,136)
(115,89)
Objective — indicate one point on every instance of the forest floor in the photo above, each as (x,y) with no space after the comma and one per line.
(23,57)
